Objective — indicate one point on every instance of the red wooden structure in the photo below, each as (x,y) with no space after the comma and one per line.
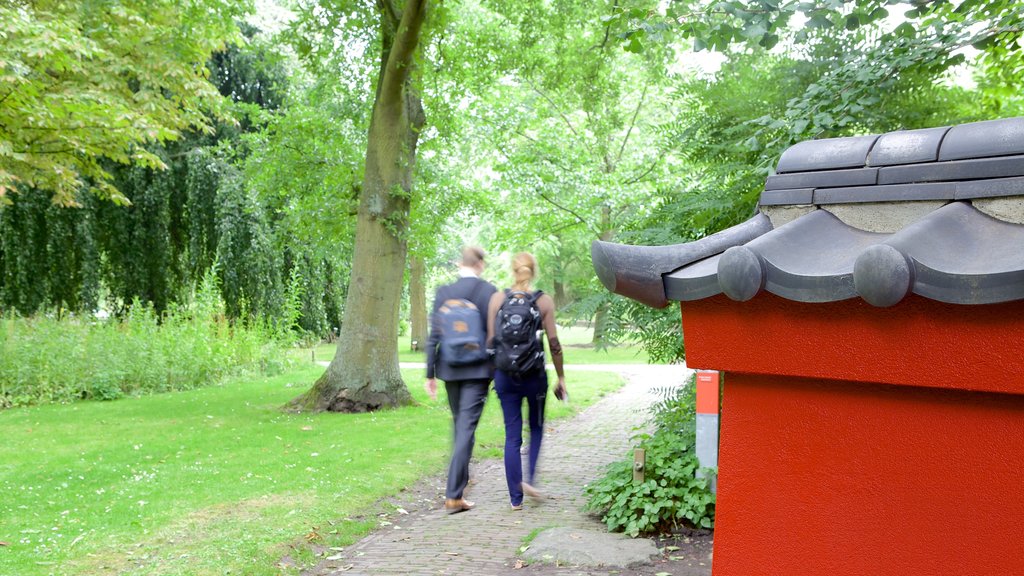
(873,402)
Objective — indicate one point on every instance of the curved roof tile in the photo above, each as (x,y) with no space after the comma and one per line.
(984,139)
(907,147)
(799,266)
(962,256)
(826,154)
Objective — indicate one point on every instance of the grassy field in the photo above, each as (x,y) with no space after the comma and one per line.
(216,480)
(576,344)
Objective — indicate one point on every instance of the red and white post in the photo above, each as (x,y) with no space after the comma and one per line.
(707,422)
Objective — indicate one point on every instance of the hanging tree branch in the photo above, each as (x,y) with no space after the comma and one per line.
(608,27)
(632,124)
(570,211)
(557,109)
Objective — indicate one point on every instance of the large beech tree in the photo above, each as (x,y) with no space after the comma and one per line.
(364,373)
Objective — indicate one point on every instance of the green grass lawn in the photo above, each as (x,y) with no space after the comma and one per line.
(575,340)
(217,480)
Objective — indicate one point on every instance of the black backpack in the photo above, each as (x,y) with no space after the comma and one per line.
(518,350)
(462,333)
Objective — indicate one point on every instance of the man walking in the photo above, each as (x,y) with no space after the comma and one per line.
(456,355)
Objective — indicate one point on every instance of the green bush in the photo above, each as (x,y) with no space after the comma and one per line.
(670,495)
(44,359)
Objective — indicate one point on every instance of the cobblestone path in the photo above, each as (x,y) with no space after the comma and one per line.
(485,540)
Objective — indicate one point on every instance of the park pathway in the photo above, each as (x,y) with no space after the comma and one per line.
(485,540)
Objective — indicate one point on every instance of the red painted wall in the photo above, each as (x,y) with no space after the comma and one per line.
(850,444)
(918,342)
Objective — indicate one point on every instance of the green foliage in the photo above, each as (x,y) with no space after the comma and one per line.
(91,80)
(49,257)
(248,264)
(137,240)
(46,360)
(670,495)
(857,56)
(180,221)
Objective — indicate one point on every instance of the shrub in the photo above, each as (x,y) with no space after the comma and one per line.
(45,359)
(670,495)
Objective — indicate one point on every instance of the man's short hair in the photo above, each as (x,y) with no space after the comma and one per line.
(472,255)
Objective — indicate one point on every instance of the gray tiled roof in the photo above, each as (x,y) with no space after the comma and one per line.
(953,253)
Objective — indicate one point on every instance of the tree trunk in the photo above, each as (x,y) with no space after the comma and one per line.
(364,374)
(601,314)
(417,304)
(561,298)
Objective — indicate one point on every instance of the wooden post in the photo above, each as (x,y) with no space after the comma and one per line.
(639,463)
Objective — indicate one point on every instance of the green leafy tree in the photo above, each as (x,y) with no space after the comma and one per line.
(81,82)
(157,249)
(364,375)
(573,135)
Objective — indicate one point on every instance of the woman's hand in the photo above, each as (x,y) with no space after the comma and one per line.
(560,392)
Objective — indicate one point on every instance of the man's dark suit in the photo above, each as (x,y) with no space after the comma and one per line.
(467,386)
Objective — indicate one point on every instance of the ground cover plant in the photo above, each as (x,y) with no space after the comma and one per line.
(671,495)
(217,479)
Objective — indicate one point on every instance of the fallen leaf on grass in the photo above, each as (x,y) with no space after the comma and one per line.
(671,548)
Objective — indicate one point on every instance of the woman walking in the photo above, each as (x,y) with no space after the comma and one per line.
(514,320)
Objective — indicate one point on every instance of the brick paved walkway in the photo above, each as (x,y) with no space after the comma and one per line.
(485,540)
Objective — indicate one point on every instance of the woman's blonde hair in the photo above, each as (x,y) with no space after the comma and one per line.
(524,269)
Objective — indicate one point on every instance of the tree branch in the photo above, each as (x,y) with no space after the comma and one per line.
(550,231)
(632,123)
(400,64)
(498,146)
(643,174)
(550,101)
(388,7)
(579,218)
(608,27)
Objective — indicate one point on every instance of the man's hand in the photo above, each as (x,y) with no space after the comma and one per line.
(431,386)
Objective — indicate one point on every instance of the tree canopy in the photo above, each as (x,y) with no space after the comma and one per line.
(325,173)
(85,81)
